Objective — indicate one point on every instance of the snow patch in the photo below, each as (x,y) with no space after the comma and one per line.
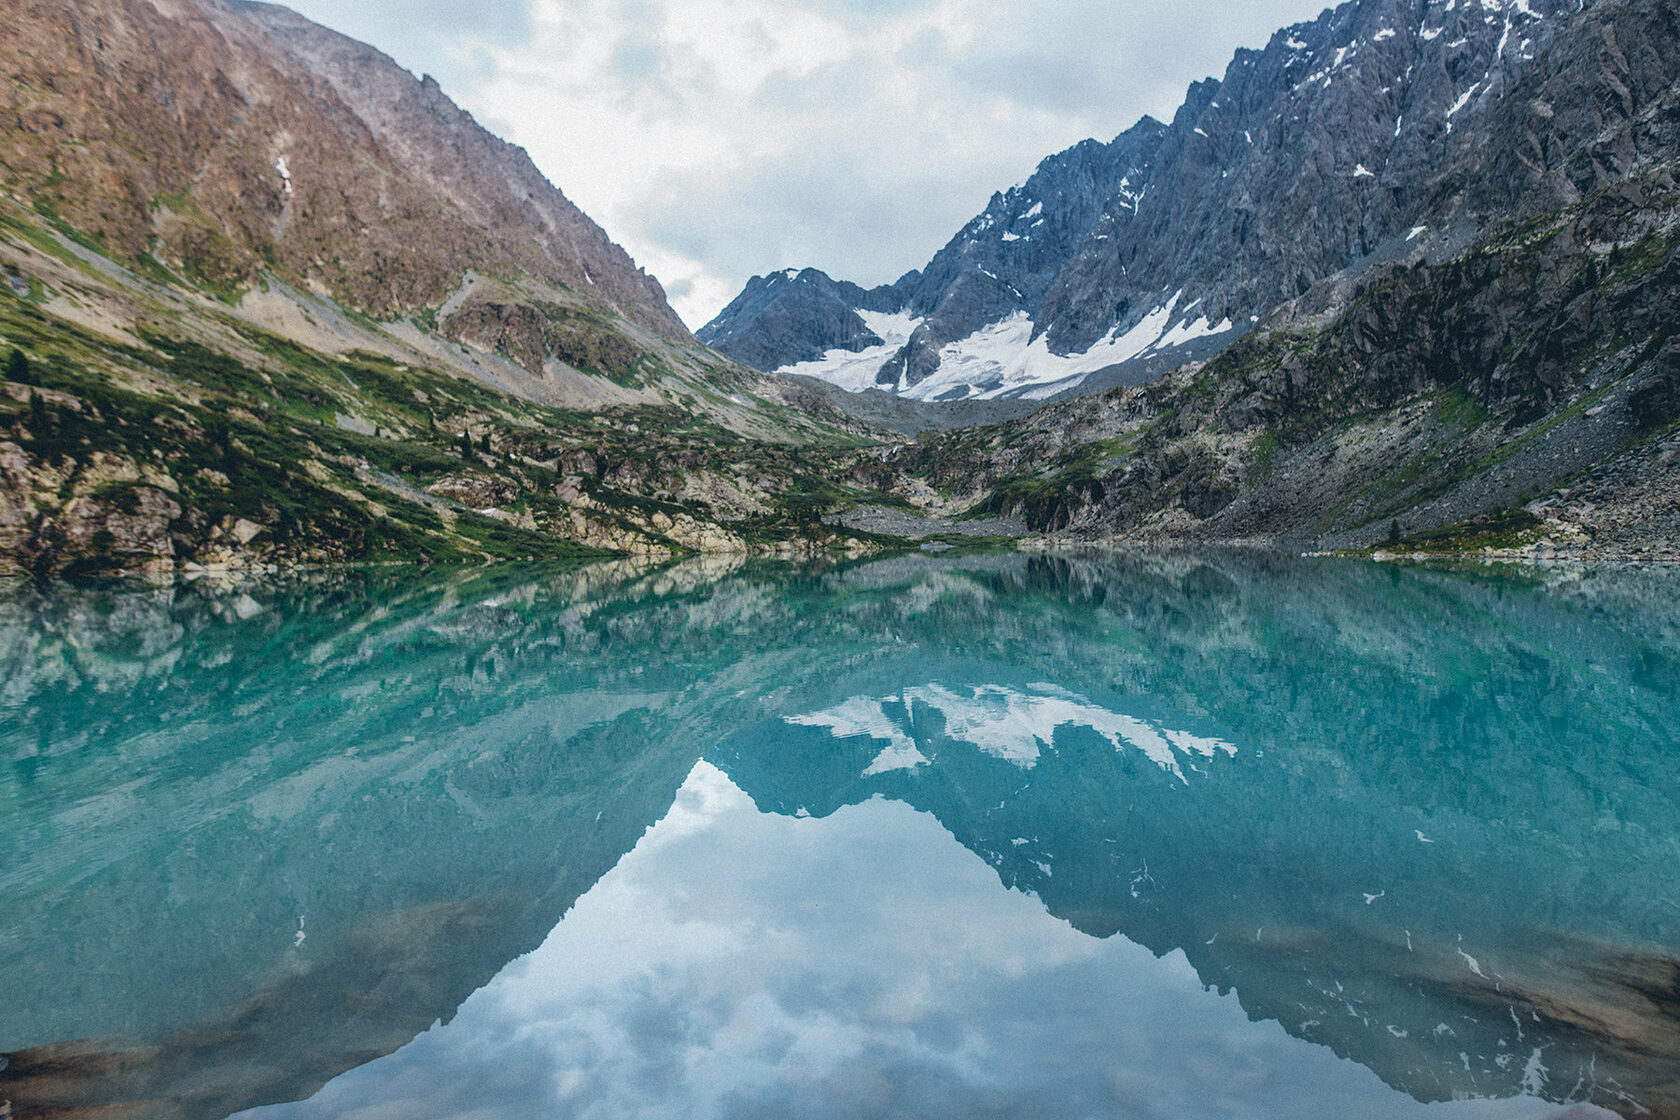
(896,758)
(1384,34)
(1360,171)
(856,370)
(857,716)
(1196,744)
(1463,100)
(1004,359)
(1189,331)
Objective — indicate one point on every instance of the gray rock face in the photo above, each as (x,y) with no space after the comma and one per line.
(791,316)
(1308,156)
(1322,149)
(1007,258)
(1599,108)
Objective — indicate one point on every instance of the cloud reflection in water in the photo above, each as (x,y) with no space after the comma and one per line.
(744,964)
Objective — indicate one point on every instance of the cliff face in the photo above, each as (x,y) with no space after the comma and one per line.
(1004,261)
(1307,156)
(228,139)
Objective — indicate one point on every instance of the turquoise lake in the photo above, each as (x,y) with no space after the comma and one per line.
(1076,835)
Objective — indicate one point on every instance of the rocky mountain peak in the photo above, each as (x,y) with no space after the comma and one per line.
(1306,156)
(1112,263)
(262,142)
(798,315)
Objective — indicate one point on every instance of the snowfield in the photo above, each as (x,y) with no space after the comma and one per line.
(1003,359)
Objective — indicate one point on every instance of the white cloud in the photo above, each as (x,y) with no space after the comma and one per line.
(717,139)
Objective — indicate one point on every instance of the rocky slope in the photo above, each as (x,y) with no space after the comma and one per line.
(1513,388)
(232,139)
(269,299)
(1309,155)
(1115,262)
(147,427)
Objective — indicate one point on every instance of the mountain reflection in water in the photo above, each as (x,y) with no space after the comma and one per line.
(253,837)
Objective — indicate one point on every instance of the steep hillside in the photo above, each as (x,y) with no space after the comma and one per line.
(269,299)
(1310,155)
(1116,262)
(1518,391)
(232,139)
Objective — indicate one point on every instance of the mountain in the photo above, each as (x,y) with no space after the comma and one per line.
(797,316)
(268,298)
(1511,381)
(1113,263)
(1404,276)
(230,139)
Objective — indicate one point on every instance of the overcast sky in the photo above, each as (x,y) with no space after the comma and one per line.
(719,139)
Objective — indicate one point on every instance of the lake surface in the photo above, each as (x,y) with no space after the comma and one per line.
(1198,835)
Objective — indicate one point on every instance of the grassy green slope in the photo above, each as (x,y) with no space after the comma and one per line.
(150,423)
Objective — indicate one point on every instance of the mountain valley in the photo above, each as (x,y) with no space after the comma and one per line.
(292,306)
(1203,644)
(1402,279)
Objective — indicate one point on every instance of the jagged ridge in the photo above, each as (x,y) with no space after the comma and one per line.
(1523,389)
(1167,244)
